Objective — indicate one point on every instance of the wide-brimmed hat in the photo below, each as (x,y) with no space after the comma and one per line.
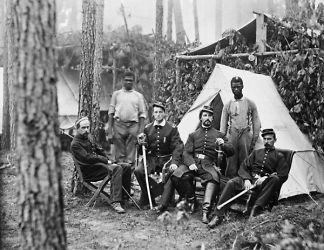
(159,105)
(267,131)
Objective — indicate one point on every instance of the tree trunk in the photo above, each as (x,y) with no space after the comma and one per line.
(169,20)
(238,13)
(219,19)
(291,8)
(97,70)
(5,140)
(40,196)
(87,58)
(10,79)
(180,32)
(195,13)
(158,74)
(86,74)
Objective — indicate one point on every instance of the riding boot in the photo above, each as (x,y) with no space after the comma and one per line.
(208,197)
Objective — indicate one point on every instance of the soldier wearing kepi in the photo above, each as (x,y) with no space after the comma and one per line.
(200,155)
(94,162)
(164,146)
(266,168)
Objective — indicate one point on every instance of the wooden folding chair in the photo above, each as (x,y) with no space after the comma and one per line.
(98,190)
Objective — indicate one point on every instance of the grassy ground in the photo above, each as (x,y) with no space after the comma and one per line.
(296,223)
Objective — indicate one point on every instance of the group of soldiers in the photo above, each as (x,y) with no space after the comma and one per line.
(225,160)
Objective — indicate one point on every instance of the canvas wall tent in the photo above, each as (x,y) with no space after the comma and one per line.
(249,32)
(68,95)
(307,171)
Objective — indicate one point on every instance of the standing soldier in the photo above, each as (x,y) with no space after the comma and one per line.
(241,124)
(126,121)
(200,155)
(164,148)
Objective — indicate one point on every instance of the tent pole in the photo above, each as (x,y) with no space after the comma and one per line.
(177,72)
(219,56)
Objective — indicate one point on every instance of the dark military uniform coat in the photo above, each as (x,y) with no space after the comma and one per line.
(90,158)
(202,142)
(264,162)
(162,143)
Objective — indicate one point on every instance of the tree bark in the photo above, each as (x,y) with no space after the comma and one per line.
(97,70)
(196,22)
(291,8)
(169,20)
(10,79)
(87,58)
(40,196)
(5,140)
(158,74)
(180,32)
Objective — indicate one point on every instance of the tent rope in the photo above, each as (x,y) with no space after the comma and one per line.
(307,192)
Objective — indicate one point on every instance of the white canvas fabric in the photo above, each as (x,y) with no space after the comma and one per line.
(307,171)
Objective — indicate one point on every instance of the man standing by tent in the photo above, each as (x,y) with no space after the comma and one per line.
(164,150)
(200,155)
(240,122)
(266,168)
(127,112)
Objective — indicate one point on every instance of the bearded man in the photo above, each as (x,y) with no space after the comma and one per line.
(200,156)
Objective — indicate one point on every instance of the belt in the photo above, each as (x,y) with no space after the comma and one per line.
(204,157)
(126,122)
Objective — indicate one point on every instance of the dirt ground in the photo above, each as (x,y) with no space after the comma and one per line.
(293,221)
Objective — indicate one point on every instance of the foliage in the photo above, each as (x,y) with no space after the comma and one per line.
(129,52)
(299,76)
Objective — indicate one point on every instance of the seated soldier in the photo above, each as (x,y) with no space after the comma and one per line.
(200,156)
(266,169)
(93,162)
(164,147)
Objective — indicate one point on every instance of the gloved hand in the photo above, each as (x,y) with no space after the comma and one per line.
(193,167)
(173,167)
(141,139)
(219,141)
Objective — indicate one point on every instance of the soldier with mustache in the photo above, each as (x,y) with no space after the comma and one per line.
(200,156)
(266,168)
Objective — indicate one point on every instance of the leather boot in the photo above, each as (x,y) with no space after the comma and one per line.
(208,197)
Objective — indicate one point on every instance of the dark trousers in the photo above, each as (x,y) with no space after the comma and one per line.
(120,176)
(186,184)
(264,192)
(127,178)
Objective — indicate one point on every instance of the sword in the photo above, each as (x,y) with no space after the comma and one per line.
(235,197)
(146,177)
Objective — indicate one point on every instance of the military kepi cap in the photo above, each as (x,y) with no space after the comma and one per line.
(82,119)
(267,131)
(159,105)
(206,109)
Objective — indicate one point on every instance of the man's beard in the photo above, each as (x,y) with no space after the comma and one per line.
(207,123)
(85,135)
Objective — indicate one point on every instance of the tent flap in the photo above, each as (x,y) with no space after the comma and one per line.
(307,171)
